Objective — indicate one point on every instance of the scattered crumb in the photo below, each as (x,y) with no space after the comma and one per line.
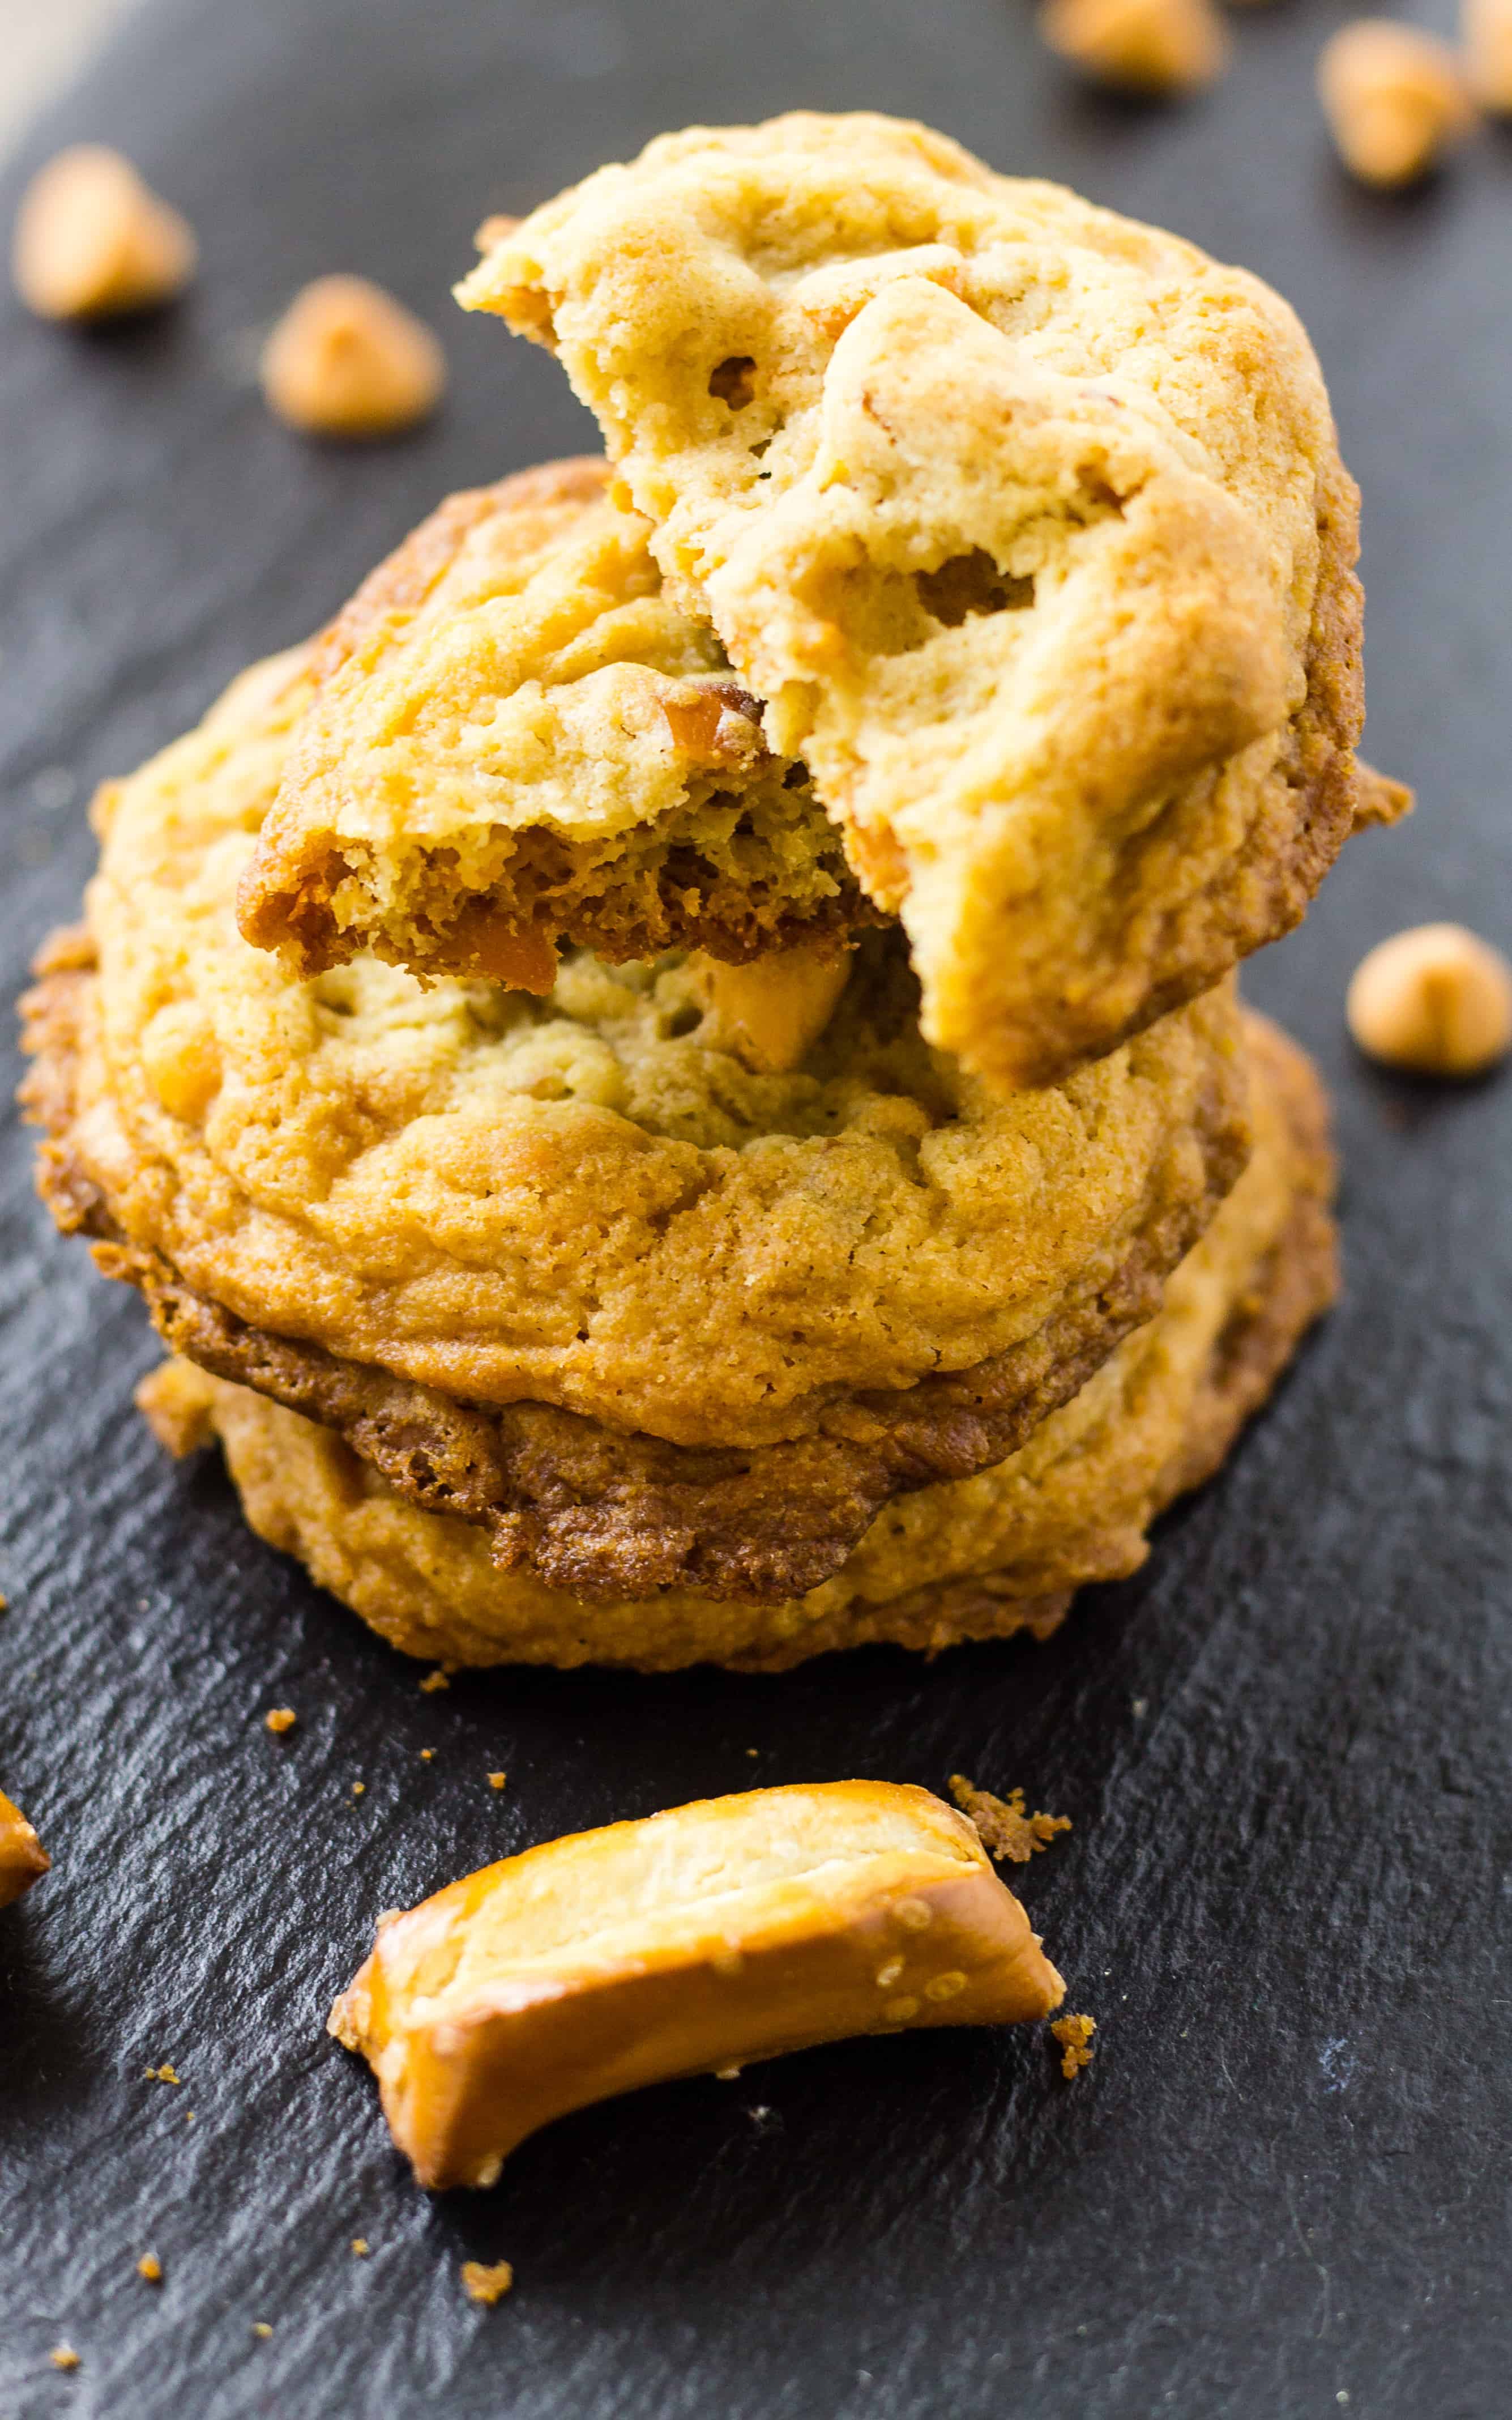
(283,1718)
(496,1780)
(164,2074)
(5,1603)
(433,1680)
(261,2328)
(359,2246)
(486,2284)
(753,1751)
(725,2074)
(1004,1828)
(425,1755)
(189,2117)
(1139,1707)
(358,1787)
(1075,2035)
(64,2357)
(150,2267)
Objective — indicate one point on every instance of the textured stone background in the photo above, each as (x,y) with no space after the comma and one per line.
(1284,1745)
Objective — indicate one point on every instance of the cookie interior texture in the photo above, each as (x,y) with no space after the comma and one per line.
(575,1206)
(515,740)
(978,1557)
(1026,523)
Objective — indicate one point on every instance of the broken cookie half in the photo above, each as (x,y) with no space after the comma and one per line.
(23,1858)
(517,740)
(698,1940)
(1027,524)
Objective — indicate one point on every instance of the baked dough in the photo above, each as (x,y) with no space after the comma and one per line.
(578,1203)
(1027,523)
(514,739)
(979,1558)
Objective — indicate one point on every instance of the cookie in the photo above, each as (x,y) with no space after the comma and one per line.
(579,1206)
(978,1558)
(1026,523)
(516,739)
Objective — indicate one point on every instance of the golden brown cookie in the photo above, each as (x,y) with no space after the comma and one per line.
(1027,524)
(514,740)
(567,1267)
(22,1857)
(977,1558)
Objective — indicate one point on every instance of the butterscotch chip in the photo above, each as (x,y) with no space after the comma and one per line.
(496,1780)
(769,1013)
(92,241)
(981,1557)
(1394,98)
(485,2284)
(22,1857)
(1437,999)
(594,1964)
(1152,46)
(346,360)
(1485,37)
(964,473)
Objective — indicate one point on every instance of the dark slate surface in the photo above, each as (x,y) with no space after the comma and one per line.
(1284,1745)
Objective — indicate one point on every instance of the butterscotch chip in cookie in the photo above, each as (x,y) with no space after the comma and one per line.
(515,740)
(717,1933)
(22,1857)
(346,360)
(982,1556)
(1394,98)
(1437,999)
(964,473)
(567,1267)
(1151,46)
(93,243)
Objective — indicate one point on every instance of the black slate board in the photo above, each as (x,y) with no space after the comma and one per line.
(1281,2189)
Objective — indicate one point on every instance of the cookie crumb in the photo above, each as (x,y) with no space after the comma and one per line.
(261,2328)
(360,2245)
(426,1754)
(164,2074)
(358,1787)
(150,2267)
(64,2357)
(1002,1826)
(1075,2035)
(282,1719)
(496,1780)
(485,2284)
(434,1681)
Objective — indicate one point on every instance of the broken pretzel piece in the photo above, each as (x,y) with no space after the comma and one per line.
(22,1857)
(702,1939)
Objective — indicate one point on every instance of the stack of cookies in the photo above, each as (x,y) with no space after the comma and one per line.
(672,1082)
